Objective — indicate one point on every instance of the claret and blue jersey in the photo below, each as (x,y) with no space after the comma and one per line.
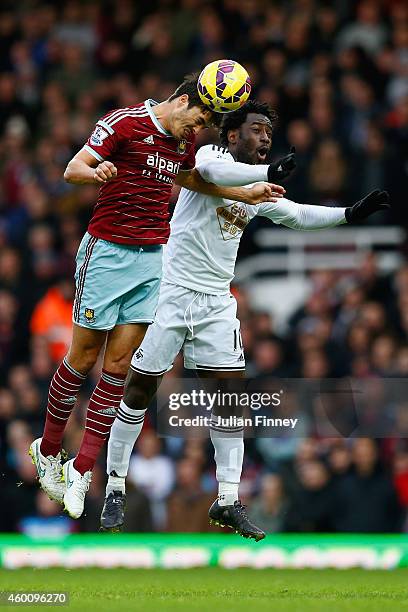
(119,262)
(133,208)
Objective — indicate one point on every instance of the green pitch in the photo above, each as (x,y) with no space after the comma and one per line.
(213,589)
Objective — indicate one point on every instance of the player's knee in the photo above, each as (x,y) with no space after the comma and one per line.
(117,363)
(83,360)
(139,390)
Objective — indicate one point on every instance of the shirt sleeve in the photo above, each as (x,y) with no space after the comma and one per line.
(104,141)
(302,216)
(219,168)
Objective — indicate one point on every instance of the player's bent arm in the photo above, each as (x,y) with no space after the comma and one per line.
(85,168)
(191,179)
(230,173)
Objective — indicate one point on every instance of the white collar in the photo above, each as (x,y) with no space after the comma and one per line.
(148,104)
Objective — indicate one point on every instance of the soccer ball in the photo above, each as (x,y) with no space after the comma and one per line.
(224,86)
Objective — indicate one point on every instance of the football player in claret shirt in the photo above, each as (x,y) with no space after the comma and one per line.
(135,154)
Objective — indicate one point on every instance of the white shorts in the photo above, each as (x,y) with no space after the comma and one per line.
(204,326)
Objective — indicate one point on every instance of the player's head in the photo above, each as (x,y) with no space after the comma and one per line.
(187,113)
(247,132)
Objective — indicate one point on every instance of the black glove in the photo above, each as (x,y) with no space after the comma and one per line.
(281,169)
(373,202)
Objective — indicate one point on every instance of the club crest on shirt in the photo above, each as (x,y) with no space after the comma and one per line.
(232,219)
(89,315)
(182,146)
(98,136)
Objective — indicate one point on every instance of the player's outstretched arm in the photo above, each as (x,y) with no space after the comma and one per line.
(311,217)
(85,168)
(191,179)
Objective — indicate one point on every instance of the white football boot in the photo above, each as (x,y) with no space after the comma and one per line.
(49,470)
(76,487)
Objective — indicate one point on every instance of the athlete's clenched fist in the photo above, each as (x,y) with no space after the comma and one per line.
(105,171)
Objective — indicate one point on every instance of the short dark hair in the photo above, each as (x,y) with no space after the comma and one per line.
(189,87)
(234,120)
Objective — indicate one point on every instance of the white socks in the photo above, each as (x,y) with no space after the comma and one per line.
(115,483)
(227,493)
(124,433)
(228,443)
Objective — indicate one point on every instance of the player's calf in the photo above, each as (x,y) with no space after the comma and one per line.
(140,389)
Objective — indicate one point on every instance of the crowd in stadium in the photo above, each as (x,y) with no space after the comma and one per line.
(294,483)
(337,75)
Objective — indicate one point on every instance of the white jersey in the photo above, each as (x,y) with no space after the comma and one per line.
(206,231)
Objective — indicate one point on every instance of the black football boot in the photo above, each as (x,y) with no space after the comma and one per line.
(236,518)
(113,513)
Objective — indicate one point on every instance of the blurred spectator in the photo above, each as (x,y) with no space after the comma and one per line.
(8,328)
(339,461)
(188,500)
(366,31)
(400,470)
(300,135)
(367,500)
(373,167)
(153,473)
(267,357)
(268,510)
(312,507)
(278,450)
(52,319)
(328,173)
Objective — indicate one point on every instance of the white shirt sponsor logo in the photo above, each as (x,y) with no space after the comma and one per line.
(161,163)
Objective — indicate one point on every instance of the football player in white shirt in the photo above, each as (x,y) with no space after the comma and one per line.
(196,311)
